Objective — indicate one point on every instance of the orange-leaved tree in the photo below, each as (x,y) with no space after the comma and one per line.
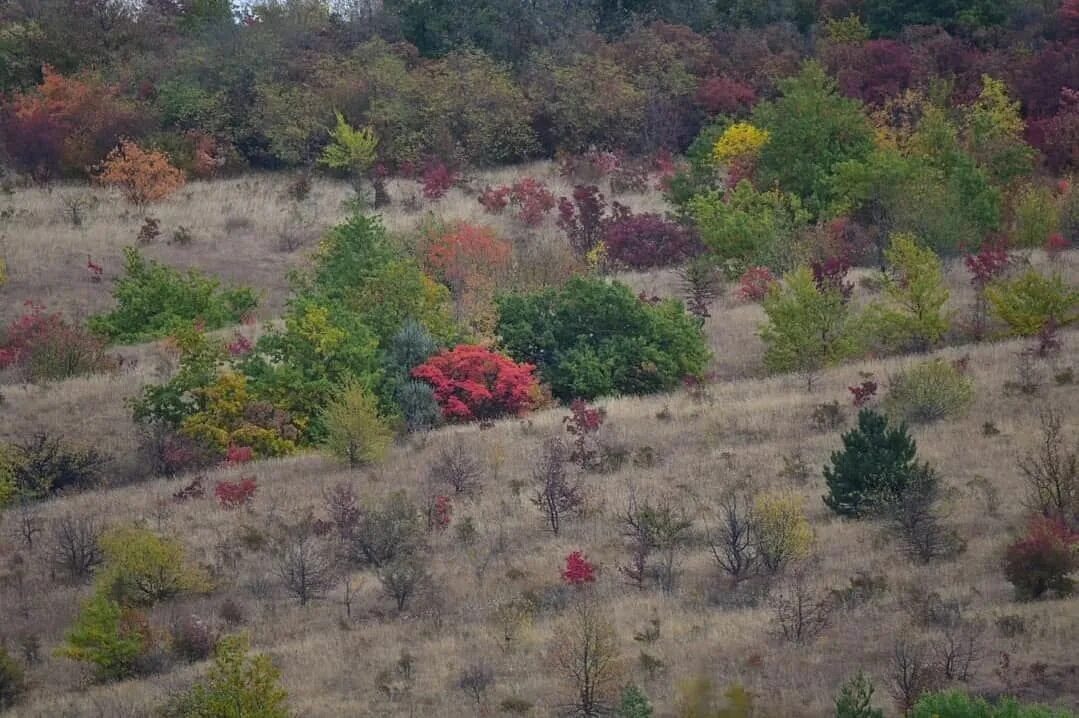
(144,176)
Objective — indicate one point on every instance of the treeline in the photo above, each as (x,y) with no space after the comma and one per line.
(480,82)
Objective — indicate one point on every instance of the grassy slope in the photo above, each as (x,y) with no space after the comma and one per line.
(330,665)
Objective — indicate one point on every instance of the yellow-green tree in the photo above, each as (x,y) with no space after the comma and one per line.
(350,150)
(354,430)
(781,529)
(108,636)
(142,568)
(912,315)
(1030,302)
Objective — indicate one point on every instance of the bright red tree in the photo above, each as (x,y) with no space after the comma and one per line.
(472,382)
(578,570)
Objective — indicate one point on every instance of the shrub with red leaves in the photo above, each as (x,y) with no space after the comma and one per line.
(1042,559)
(988,263)
(529,196)
(1055,245)
(240,346)
(472,382)
(235,494)
(437,179)
(723,95)
(643,241)
(755,283)
(862,394)
(44,347)
(467,256)
(239,454)
(440,513)
(830,275)
(578,570)
(584,423)
(873,71)
(584,218)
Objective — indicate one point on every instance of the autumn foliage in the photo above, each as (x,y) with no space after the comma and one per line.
(466,256)
(472,382)
(578,570)
(144,176)
(235,494)
(1041,560)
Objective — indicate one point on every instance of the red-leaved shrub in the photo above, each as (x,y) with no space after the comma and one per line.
(830,275)
(473,382)
(467,256)
(44,346)
(1042,559)
(1055,245)
(584,423)
(437,179)
(440,513)
(239,454)
(584,217)
(988,263)
(530,197)
(754,284)
(642,241)
(862,394)
(234,494)
(725,96)
(578,570)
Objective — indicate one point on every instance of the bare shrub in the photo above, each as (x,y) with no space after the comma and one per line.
(304,564)
(384,532)
(912,673)
(75,549)
(917,519)
(1052,471)
(585,652)
(403,578)
(556,496)
(475,680)
(801,612)
(659,527)
(192,639)
(457,468)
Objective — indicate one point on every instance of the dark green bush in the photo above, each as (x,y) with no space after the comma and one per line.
(154,300)
(594,338)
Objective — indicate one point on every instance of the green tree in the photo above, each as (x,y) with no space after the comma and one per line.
(876,464)
(238,685)
(813,129)
(354,430)
(1031,301)
(592,338)
(995,126)
(142,568)
(350,150)
(634,703)
(808,328)
(955,704)
(106,636)
(745,228)
(855,699)
(912,315)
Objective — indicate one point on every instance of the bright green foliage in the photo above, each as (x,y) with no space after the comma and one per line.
(954,704)
(593,338)
(697,699)
(912,315)
(142,568)
(929,391)
(1037,216)
(1031,301)
(634,704)
(170,403)
(230,416)
(996,126)
(350,150)
(813,128)
(354,430)
(746,228)
(807,329)
(13,682)
(106,636)
(876,464)
(849,29)
(238,685)
(302,368)
(855,699)
(155,300)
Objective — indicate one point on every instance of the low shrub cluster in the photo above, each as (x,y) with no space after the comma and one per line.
(43,346)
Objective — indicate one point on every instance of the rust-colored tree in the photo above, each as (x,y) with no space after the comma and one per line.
(144,176)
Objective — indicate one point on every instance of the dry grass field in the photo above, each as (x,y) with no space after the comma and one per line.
(686,449)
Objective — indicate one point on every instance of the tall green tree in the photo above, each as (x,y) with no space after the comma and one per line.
(911,315)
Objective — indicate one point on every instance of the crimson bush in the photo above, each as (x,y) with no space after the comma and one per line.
(472,382)
(642,241)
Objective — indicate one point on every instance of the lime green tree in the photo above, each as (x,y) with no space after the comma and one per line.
(107,636)
(1030,302)
(911,315)
(238,685)
(351,150)
(808,328)
(995,127)
(142,568)
(354,430)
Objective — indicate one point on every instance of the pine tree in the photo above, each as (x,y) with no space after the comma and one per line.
(855,699)
(876,465)
(634,703)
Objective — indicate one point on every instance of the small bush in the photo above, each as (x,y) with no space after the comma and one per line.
(928,392)
(1042,560)
(578,570)
(471,382)
(755,283)
(530,197)
(12,680)
(46,347)
(192,639)
(385,531)
(238,684)
(781,531)
(1031,301)
(644,241)
(144,176)
(45,466)
(154,300)
(236,494)
(458,469)
(954,704)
